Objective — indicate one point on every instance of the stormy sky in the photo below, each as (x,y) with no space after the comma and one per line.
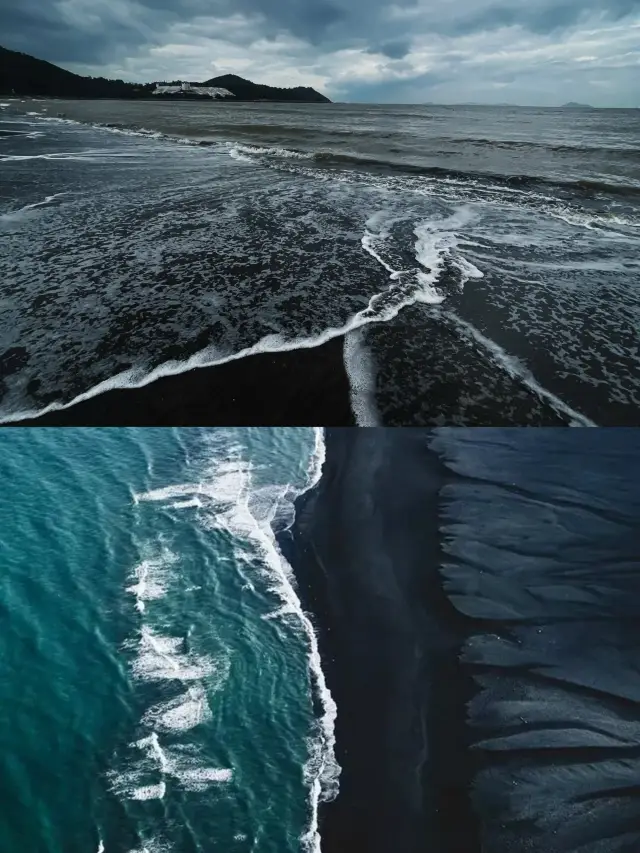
(410,51)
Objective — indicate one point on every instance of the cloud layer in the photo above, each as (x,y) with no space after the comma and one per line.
(541,52)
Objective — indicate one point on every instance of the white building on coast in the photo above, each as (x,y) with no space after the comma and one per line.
(205,91)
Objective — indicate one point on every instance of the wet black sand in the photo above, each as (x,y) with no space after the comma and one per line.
(305,387)
(366,553)
(475,594)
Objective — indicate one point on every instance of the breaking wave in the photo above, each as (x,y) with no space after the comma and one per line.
(228,498)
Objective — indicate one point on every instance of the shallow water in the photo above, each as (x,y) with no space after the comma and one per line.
(484,261)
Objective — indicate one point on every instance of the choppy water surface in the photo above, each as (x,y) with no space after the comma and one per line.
(161,686)
(483,260)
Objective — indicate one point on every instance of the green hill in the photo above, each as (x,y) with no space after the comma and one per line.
(245,90)
(25,75)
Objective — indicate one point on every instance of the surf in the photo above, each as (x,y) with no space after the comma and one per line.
(226,497)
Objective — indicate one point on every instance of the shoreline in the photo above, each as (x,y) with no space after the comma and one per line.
(305,387)
(365,550)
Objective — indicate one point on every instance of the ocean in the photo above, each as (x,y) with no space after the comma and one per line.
(274,640)
(161,686)
(479,265)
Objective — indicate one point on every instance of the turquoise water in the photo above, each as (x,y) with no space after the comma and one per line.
(160,687)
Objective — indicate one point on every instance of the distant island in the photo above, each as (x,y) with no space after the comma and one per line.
(21,74)
(575,106)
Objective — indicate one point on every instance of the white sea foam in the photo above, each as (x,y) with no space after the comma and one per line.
(100,842)
(361,371)
(17,158)
(236,154)
(192,502)
(22,211)
(159,658)
(232,502)
(436,244)
(374,239)
(133,784)
(125,131)
(151,745)
(150,577)
(148,792)
(181,766)
(153,845)
(201,778)
(181,713)
(247,151)
(516,369)
(382,307)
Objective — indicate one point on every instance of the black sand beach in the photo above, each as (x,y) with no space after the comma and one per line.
(366,554)
(475,597)
(301,388)
(490,287)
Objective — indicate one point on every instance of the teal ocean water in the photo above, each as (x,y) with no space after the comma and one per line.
(161,687)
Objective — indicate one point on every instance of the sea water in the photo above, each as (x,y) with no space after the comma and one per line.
(479,263)
(161,687)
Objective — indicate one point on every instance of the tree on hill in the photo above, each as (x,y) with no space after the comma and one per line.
(26,75)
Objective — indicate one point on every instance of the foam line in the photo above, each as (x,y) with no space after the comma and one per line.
(46,201)
(148,792)
(150,579)
(13,214)
(81,156)
(154,746)
(376,232)
(201,778)
(247,513)
(159,660)
(516,370)
(239,151)
(192,503)
(192,778)
(182,713)
(382,307)
(360,369)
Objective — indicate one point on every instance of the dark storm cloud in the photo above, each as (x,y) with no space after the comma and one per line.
(52,31)
(360,49)
(96,31)
(537,17)
(340,21)
(396,49)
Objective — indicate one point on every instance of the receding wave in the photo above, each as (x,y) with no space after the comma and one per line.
(525,145)
(581,186)
(240,149)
